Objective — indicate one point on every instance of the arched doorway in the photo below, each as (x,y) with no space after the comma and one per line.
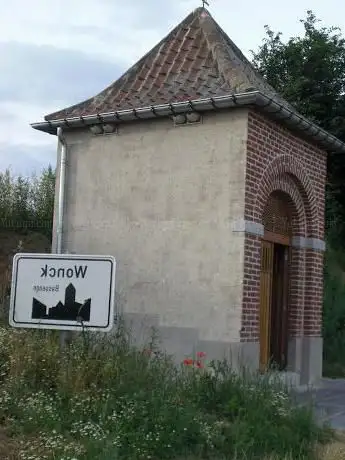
(274,281)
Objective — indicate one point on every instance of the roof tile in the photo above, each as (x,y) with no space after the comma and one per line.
(196,60)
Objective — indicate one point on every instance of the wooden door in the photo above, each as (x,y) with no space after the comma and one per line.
(279,306)
(267,252)
(285,306)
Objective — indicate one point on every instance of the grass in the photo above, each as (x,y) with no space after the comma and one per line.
(105,400)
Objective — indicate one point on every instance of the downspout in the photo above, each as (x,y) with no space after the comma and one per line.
(61,196)
(64,335)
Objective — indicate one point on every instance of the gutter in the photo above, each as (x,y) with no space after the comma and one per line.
(253,98)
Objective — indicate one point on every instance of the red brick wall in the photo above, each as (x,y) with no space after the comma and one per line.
(251,289)
(279,160)
(313,293)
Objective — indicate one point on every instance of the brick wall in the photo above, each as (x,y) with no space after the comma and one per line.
(279,160)
(251,289)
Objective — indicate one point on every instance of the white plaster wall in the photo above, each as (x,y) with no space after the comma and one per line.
(162,199)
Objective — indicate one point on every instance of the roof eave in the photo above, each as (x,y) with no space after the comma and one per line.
(254,98)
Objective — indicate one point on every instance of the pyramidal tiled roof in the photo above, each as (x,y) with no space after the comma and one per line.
(196,60)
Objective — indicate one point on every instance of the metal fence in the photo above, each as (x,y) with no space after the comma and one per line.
(11,224)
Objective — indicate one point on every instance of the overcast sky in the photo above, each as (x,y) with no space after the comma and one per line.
(56,53)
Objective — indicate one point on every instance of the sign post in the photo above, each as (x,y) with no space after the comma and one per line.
(65,292)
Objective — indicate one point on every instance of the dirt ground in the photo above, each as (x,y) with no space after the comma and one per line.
(335,450)
(8,449)
(9,242)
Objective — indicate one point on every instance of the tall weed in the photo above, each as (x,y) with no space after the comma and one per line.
(104,399)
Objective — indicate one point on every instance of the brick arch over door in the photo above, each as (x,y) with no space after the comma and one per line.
(288,187)
(287,174)
(286,191)
(278,215)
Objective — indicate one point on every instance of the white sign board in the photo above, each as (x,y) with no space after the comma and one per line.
(63,291)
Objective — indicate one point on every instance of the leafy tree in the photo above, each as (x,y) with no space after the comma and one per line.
(20,197)
(27,203)
(6,186)
(309,72)
(43,195)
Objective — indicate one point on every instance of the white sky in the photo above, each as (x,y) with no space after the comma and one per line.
(55,53)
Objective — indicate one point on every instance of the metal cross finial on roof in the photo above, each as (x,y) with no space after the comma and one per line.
(205,2)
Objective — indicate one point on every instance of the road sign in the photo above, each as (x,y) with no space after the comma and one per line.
(63,291)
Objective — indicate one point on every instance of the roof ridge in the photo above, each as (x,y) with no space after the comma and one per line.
(229,49)
(215,37)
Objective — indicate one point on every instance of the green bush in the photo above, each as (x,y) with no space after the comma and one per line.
(103,400)
(334,312)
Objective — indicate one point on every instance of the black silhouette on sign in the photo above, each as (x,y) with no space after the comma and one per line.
(69,311)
